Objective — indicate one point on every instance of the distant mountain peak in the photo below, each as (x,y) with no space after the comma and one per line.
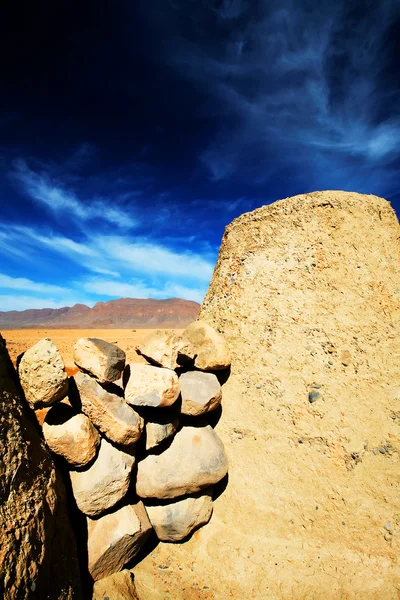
(119,313)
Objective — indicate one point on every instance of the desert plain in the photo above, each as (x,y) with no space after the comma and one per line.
(19,340)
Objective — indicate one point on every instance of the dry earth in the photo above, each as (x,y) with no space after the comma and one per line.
(19,340)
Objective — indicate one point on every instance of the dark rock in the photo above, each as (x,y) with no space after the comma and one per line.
(314,396)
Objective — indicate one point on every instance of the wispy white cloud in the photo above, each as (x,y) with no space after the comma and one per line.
(27,285)
(113,255)
(20,293)
(149,257)
(51,193)
(108,266)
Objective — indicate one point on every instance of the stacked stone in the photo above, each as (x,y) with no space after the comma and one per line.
(109,413)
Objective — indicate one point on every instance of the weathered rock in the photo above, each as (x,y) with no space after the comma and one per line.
(70,435)
(205,346)
(174,521)
(195,459)
(201,392)
(105,482)
(115,538)
(38,556)
(42,374)
(160,348)
(109,412)
(160,428)
(103,360)
(146,385)
(119,586)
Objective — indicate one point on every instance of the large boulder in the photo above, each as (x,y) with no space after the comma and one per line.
(160,348)
(103,360)
(70,435)
(146,385)
(42,374)
(106,481)
(174,521)
(109,412)
(297,284)
(115,538)
(201,392)
(194,460)
(38,555)
(203,346)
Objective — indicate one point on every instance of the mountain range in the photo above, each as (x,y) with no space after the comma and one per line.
(118,314)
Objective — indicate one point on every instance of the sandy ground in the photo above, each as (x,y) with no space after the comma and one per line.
(19,340)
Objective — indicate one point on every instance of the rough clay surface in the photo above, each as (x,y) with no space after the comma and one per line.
(146,385)
(42,374)
(103,360)
(119,586)
(194,460)
(38,557)
(200,392)
(160,348)
(109,412)
(113,540)
(299,285)
(70,435)
(106,481)
(174,521)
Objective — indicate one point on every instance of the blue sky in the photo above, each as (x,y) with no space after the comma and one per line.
(131,134)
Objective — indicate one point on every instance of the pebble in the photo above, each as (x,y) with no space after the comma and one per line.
(388,527)
(259,387)
(388,537)
(313,396)
(300,441)
(382,450)
(374,451)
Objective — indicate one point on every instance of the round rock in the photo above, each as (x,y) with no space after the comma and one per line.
(118,586)
(103,360)
(201,392)
(146,385)
(160,428)
(160,348)
(70,435)
(109,412)
(174,521)
(105,482)
(195,460)
(203,346)
(114,539)
(42,374)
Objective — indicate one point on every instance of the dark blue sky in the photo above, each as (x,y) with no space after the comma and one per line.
(133,132)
